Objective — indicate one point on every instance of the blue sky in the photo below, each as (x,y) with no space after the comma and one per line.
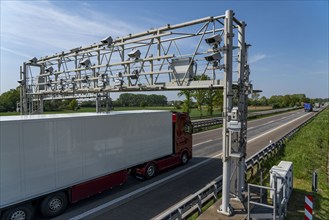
(289,39)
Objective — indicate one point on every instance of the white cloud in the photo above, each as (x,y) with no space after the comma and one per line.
(256,57)
(21,54)
(38,28)
(36,25)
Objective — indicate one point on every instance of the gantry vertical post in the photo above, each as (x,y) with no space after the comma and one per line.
(97,103)
(242,80)
(21,90)
(227,107)
(24,109)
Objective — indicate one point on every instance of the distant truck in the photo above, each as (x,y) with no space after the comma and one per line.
(308,107)
(49,161)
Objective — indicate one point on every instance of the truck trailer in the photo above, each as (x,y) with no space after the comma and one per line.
(50,161)
(308,107)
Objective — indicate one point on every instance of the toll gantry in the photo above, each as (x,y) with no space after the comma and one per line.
(207,53)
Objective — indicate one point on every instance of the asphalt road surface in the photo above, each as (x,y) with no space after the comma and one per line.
(139,199)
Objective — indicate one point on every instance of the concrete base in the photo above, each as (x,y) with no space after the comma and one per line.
(228,212)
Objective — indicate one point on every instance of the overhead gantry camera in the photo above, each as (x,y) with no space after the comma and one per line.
(49,70)
(213,57)
(135,54)
(214,40)
(33,60)
(86,62)
(108,40)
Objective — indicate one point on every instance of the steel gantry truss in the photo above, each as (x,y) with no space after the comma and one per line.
(167,58)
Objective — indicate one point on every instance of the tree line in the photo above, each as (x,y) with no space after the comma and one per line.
(283,101)
(140,100)
(9,100)
(131,100)
(204,98)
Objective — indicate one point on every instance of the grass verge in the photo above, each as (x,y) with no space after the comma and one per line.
(309,151)
(195,215)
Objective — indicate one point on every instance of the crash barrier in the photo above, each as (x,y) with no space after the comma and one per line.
(199,125)
(195,202)
(268,112)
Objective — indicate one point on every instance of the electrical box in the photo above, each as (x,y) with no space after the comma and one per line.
(284,178)
(234,126)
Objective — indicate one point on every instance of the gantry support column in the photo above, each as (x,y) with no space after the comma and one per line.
(243,80)
(227,107)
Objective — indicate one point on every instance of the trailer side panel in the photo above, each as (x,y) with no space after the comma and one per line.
(46,154)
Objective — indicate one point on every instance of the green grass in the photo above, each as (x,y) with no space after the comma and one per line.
(195,215)
(205,206)
(309,151)
(259,108)
(8,113)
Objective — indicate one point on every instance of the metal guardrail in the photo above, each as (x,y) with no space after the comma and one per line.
(195,202)
(273,111)
(205,123)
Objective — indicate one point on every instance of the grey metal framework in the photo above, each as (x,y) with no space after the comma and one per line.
(166,58)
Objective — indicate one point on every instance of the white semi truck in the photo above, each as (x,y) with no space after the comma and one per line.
(50,161)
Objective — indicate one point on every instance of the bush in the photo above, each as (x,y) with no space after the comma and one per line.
(73,105)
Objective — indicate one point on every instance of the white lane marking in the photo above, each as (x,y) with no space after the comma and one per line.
(270,122)
(247,129)
(202,142)
(203,132)
(263,134)
(105,205)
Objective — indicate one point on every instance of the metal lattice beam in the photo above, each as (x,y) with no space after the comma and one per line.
(109,66)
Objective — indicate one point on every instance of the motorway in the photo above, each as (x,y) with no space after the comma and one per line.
(139,199)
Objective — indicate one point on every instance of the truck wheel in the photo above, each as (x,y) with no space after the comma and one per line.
(184,158)
(151,170)
(22,212)
(54,204)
